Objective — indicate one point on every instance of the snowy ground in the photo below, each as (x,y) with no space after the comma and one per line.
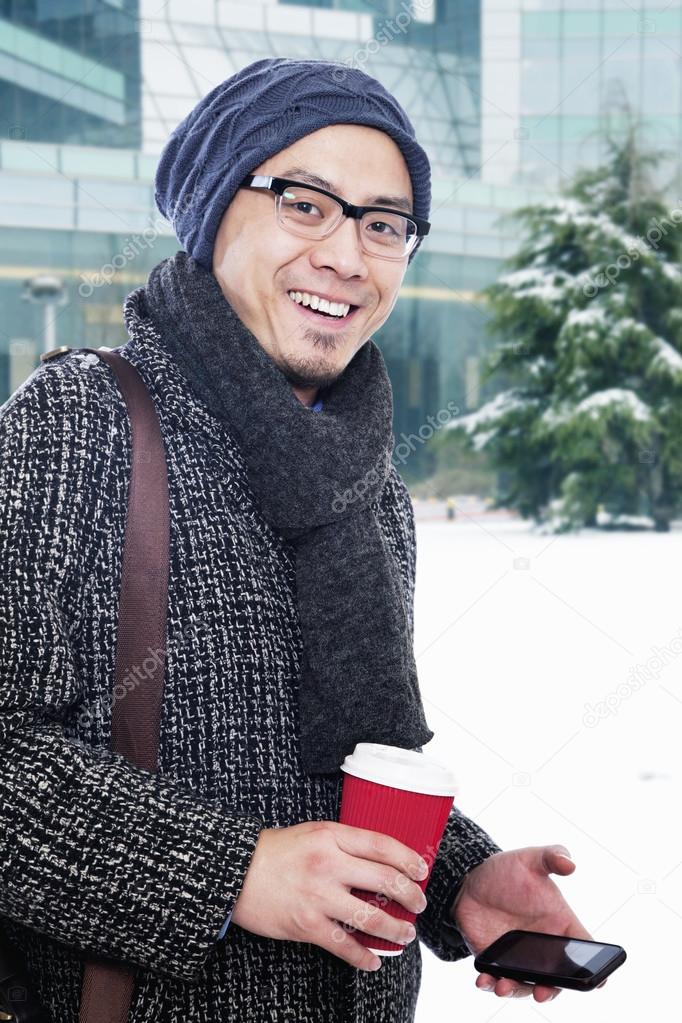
(551,673)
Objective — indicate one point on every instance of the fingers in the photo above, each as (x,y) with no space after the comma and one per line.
(386,880)
(374,920)
(373,845)
(561,865)
(505,988)
(556,859)
(339,942)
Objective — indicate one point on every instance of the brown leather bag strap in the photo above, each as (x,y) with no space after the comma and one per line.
(136,712)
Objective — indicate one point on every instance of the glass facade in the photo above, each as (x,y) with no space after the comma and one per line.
(561,77)
(70,72)
(441,44)
(186,54)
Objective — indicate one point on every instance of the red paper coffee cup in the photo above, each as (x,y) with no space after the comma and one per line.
(401,793)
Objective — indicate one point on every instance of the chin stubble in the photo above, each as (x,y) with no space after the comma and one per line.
(308,374)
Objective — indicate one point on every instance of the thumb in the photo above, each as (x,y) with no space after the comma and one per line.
(556,859)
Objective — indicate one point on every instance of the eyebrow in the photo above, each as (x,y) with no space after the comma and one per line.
(314,179)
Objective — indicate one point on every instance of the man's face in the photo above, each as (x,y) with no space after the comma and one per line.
(257,263)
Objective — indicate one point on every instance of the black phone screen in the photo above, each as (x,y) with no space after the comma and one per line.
(550,953)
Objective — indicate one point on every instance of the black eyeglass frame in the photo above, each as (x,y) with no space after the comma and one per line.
(348,209)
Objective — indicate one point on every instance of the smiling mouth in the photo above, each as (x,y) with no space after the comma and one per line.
(330,319)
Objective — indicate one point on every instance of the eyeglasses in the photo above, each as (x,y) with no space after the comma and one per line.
(312,212)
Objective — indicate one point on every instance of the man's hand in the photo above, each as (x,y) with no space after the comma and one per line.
(298,887)
(513,891)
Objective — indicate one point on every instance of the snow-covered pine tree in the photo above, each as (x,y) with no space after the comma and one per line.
(588,429)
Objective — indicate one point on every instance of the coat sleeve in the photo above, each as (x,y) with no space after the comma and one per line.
(464,844)
(104,857)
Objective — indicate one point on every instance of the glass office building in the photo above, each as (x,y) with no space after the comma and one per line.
(507,97)
(70,72)
(559,75)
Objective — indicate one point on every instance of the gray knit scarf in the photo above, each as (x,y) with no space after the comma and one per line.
(314,475)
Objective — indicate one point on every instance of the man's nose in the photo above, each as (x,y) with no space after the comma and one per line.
(342,249)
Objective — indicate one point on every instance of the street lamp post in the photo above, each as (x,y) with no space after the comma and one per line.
(49,292)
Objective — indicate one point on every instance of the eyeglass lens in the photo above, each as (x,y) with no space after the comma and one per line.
(313,215)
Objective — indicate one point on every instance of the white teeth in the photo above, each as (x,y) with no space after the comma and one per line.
(315,302)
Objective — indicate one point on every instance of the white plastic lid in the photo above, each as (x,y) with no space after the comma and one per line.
(401,769)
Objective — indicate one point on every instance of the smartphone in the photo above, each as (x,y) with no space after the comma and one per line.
(535,958)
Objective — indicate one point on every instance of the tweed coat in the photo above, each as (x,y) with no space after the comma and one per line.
(98,857)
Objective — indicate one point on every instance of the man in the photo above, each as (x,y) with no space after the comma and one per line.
(225,879)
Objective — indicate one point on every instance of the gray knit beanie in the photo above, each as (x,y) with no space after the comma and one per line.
(259,111)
